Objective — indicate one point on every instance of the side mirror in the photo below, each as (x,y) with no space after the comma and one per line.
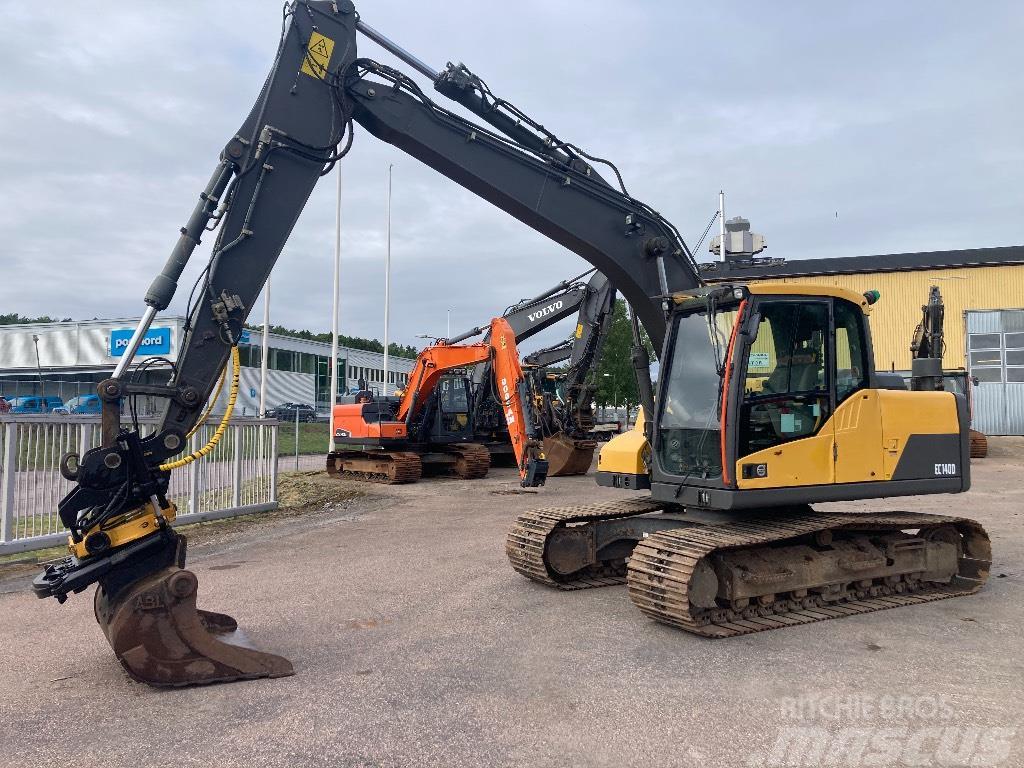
(974,380)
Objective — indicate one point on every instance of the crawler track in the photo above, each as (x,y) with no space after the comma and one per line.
(661,567)
(473,462)
(390,468)
(528,537)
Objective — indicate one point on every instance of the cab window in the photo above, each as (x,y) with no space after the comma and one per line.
(851,363)
(786,390)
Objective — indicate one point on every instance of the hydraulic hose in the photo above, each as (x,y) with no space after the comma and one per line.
(221,428)
(209,408)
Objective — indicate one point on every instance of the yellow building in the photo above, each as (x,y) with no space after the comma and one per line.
(983,292)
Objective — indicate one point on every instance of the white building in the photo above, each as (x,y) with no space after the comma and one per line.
(74,356)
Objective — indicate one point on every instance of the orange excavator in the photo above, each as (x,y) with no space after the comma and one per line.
(392,440)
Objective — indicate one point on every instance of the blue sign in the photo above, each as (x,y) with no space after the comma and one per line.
(156,342)
(252,391)
(244,339)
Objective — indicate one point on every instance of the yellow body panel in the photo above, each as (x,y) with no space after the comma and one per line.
(800,462)
(628,453)
(139,523)
(858,432)
(913,413)
(869,430)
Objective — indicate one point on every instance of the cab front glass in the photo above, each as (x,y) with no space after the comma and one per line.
(688,438)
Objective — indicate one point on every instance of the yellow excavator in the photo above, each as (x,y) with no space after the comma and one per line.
(767,401)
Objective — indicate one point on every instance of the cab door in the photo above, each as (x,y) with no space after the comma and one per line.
(858,415)
(785,434)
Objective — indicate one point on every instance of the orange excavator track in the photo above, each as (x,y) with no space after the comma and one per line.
(388,467)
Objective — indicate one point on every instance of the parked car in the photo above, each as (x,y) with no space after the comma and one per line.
(5,407)
(84,404)
(36,404)
(286,412)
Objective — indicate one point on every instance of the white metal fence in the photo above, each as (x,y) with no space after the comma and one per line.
(238,477)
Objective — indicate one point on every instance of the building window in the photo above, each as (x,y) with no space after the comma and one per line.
(986,356)
(1014,345)
(283,360)
(984,341)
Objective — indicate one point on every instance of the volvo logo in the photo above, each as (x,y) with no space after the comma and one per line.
(549,309)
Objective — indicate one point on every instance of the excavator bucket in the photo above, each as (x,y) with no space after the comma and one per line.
(162,639)
(567,456)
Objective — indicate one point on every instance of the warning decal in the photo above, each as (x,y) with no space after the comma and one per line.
(318,56)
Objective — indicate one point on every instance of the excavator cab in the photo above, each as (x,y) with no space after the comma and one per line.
(448,417)
(769,398)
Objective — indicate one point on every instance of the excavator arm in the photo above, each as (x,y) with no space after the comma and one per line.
(431,364)
(118,513)
(514,400)
(566,420)
(928,344)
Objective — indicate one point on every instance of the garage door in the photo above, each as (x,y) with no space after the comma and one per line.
(995,357)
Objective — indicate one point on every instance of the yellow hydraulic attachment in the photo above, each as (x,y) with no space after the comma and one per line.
(122,530)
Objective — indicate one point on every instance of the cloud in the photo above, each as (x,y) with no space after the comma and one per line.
(837,130)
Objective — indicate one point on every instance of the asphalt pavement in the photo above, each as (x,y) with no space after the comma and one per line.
(416,644)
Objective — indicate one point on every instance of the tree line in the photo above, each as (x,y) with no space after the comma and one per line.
(15,319)
(352,342)
(615,377)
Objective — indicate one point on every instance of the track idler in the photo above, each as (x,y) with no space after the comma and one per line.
(567,456)
(162,639)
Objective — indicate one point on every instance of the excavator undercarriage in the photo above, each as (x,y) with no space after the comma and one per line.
(720,575)
(467,461)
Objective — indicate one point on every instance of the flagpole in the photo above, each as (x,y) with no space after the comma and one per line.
(334,307)
(387,285)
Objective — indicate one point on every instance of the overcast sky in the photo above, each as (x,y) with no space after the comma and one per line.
(837,129)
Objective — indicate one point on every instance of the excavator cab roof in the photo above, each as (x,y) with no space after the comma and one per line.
(725,293)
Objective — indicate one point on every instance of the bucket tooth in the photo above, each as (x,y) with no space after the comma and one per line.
(567,456)
(162,639)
